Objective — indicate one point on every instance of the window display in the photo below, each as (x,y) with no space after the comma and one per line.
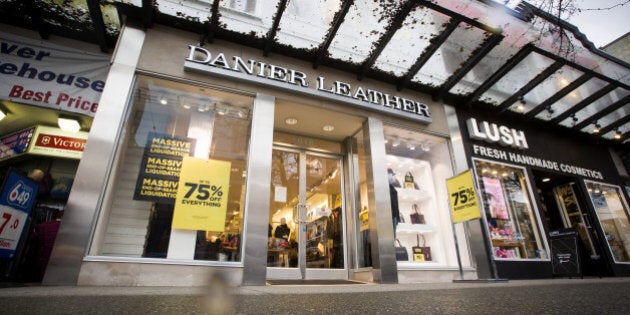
(417,168)
(177,189)
(512,223)
(612,213)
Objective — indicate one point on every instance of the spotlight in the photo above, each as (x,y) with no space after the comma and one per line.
(597,128)
(67,123)
(574,118)
(163,100)
(521,103)
(550,111)
(617,134)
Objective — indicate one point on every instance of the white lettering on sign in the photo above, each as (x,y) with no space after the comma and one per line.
(369,97)
(494,133)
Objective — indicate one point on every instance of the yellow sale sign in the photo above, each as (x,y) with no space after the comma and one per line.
(463,197)
(202,194)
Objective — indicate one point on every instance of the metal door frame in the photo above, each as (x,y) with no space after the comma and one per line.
(301,272)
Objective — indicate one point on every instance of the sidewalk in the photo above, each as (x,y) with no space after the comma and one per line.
(550,296)
(38,290)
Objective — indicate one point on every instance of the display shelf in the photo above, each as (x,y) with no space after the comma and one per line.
(407,228)
(418,195)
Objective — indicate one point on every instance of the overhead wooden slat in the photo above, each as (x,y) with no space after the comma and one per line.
(615,125)
(274,28)
(96,14)
(332,31)
(212,25)
(540,78)
(602,113)
(585,102)
(500,73)
(560,94)
(394,25)
(470,63)
(436,42)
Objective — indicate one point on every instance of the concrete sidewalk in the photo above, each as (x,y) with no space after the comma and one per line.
(26,290)
(554,296)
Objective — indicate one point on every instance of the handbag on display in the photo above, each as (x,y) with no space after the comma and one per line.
(401,252)
(409,183)
(416,217)
(421,253)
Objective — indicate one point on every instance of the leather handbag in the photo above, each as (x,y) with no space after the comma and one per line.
(421,253)
(401,252)
(416,217)
(409,183)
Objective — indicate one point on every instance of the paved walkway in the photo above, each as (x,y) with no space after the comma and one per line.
(558,296)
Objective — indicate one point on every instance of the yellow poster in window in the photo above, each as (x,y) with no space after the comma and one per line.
(202,194)
(463,197)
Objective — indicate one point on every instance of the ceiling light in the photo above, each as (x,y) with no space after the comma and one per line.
(328,128)
(425,147)
(2,114)
(163,100)
(411,147)
(546,179)
(221,110)
(239,113)
(68,124)
(617,134)
(550,111)
(395,144)
(574,119)
(291,121)
(597,128)
(521,104)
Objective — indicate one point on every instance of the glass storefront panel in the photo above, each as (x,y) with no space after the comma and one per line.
(362,223)
(178,185)
(418,166)
(512,223)
(612,213)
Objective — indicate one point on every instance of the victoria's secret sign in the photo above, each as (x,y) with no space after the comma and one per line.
(201,59)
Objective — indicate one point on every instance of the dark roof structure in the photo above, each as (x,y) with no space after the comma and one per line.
(521,63)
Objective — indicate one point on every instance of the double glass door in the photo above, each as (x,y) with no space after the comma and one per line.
(306,224)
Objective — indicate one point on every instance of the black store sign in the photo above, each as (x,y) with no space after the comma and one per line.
(565,259)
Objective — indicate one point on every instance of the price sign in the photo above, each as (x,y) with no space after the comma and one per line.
(201,201)
(463,197)
(16,200)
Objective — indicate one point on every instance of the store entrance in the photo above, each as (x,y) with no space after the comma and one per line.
(564,208)
(306,234)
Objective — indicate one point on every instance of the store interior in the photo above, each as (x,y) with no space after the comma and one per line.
(54,174)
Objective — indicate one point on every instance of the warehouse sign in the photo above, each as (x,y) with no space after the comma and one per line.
(43,74)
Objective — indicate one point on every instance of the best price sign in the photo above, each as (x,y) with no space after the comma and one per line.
(16,201)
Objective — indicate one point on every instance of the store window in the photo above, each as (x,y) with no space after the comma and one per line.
(512,223)
(418,166)
(612,213)
(177,189)
(362,224)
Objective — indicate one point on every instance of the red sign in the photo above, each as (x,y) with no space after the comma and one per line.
(60,142)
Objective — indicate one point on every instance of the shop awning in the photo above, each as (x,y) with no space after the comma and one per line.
(469,54)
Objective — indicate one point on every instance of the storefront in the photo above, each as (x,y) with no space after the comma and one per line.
(538,184)
(257,168)
(49,94)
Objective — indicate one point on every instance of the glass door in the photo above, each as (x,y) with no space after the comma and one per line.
(306,224)
(572,215)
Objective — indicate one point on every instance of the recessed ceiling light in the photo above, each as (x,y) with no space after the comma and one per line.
(328,128)
(546,179)
(291,121)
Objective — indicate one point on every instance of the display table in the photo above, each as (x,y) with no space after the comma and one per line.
(510,244)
